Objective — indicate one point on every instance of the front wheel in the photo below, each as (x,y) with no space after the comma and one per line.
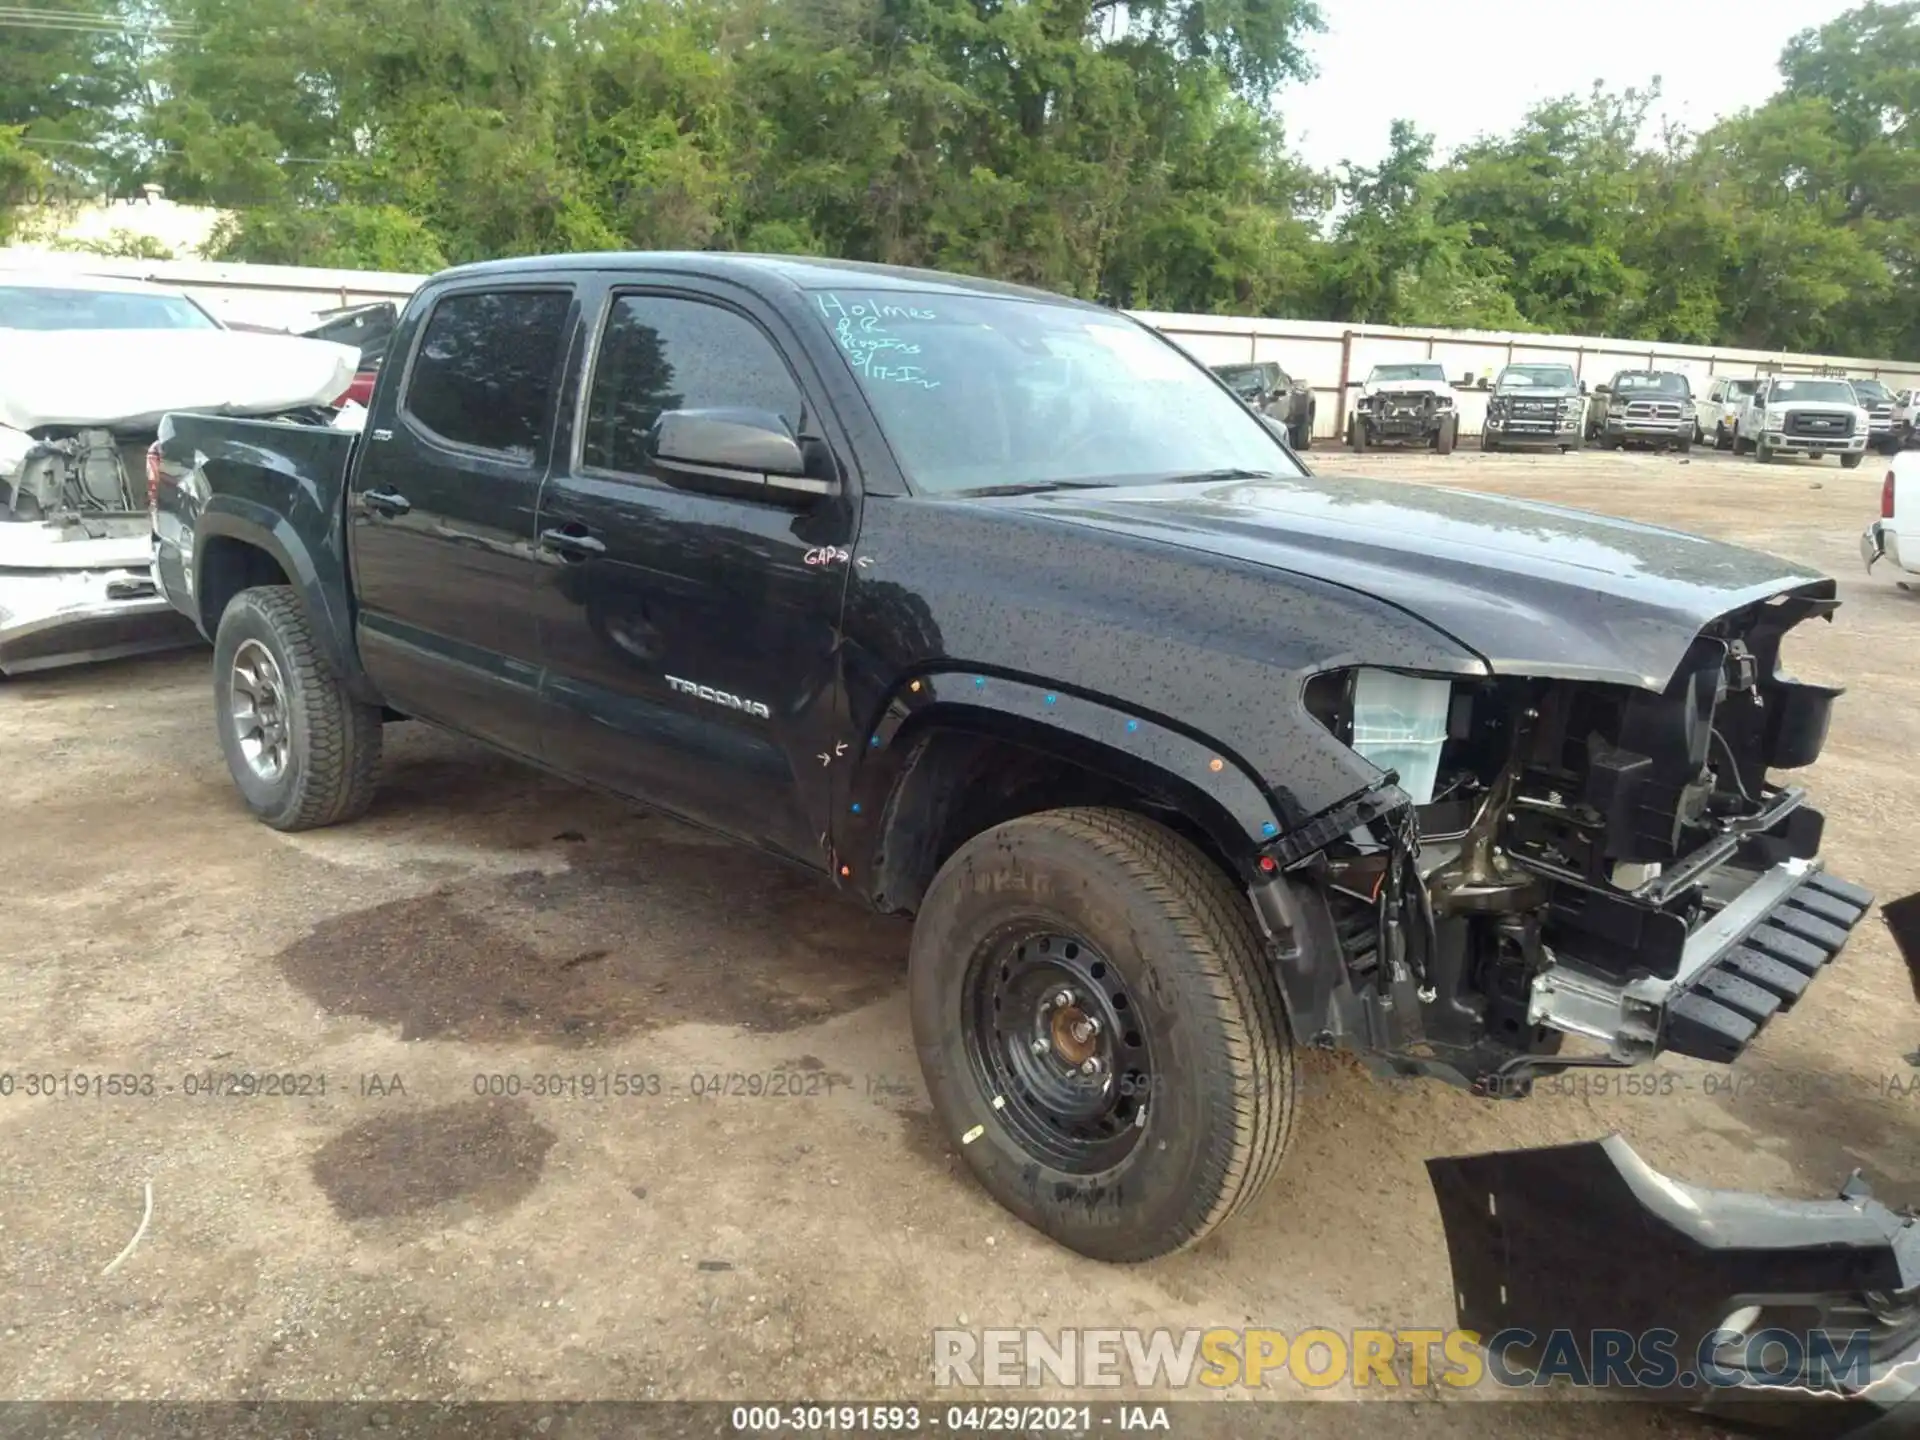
(1444,437)
(1303,434)
(1357,436)
(301,749)
(1851,462)
(1722,439)
(1762,451)
(1488,443)
(1101,1031)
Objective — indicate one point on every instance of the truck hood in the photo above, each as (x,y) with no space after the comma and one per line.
(1532,589)
(131,378)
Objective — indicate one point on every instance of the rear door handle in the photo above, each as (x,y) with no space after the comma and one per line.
(387,502)
(573,538)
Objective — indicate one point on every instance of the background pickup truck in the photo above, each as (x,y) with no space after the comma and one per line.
(1642,407)
(1001,611)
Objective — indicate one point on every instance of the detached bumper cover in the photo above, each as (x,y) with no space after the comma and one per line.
(1558,1252)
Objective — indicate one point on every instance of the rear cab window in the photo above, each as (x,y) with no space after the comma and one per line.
(485,370)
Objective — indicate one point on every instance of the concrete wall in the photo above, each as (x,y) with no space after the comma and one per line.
(1333,358)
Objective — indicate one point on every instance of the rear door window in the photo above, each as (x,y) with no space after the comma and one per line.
(484,374)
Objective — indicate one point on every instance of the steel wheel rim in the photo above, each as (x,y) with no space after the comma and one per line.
(257,704)
(1059,1048)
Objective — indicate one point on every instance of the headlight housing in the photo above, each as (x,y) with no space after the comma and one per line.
(1775,415)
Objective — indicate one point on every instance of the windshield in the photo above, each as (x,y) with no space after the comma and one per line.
(35,307)
(1650,383)
(1407,372)
(1244,379)
(1537,377)
(1872,392)
(1831,392)
(975,391)
(1742,387)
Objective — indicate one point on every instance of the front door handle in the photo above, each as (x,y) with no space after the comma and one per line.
(573,538)
(387,502)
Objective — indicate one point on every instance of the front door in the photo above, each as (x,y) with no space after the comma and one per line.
(442,540)
(690,635)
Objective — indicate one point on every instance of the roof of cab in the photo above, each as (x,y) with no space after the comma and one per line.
(803,272)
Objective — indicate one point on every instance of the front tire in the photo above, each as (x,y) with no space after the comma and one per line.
(1851,462)
(1722,438)
(302,751)
(1134,1135)
(1357,436)
(1444,437)
(1303,434)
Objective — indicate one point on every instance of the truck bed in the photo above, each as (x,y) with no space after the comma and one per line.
(279,477)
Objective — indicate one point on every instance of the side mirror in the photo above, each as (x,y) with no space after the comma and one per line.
(741,447)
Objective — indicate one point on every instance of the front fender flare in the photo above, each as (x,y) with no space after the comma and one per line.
(1215,788)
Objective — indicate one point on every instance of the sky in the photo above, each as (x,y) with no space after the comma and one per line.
(1458,69)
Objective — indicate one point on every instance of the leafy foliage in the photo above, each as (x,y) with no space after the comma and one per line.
(1130,151)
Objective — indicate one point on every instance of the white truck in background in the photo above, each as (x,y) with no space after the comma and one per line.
(1715,415)
(1803,415)
(1899,499)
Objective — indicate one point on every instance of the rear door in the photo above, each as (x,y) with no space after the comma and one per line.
(441,510)
(690,634)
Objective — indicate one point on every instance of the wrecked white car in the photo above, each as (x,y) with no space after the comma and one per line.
(87,368)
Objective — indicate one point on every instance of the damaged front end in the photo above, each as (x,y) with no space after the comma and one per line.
(75,551)
(1558,860)
(1581,1263)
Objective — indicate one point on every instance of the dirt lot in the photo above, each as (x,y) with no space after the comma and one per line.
(406,1234)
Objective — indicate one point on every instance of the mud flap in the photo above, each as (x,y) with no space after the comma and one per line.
(1582,1261)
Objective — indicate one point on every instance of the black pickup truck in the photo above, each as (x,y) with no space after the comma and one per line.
(1001,611)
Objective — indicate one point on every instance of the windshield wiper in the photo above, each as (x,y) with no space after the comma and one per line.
(1031,487)
(1231,473)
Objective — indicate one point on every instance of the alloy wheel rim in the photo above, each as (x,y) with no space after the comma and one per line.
(261,724)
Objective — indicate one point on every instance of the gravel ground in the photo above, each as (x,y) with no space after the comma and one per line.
(417,1230)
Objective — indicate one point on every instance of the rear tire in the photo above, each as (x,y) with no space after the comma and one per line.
(302,751)
(1192,1093)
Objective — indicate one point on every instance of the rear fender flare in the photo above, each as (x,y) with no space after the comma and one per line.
(251,523)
